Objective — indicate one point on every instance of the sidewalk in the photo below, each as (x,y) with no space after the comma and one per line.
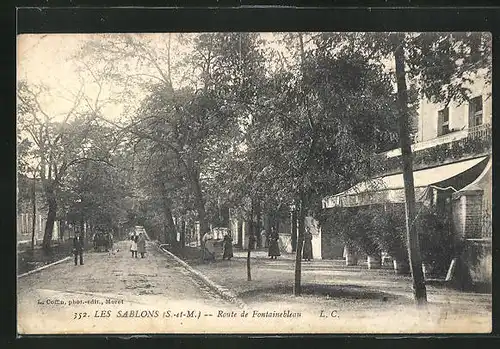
(371,296)
(28,260)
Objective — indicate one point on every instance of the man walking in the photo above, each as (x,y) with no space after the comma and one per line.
(78,247)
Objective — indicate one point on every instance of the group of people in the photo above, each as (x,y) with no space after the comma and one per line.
(98,239)
(274,250)
(138,245)
(271,241)
(208,248)
(103,239)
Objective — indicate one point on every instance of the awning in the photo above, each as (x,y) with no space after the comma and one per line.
(390,189)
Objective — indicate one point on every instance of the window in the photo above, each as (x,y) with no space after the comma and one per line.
(443,121)
(476,111)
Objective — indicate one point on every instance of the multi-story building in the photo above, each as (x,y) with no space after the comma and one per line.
(26,214)
(452,153)
(453,162)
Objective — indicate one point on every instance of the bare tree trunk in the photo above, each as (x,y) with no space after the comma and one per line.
(200,206)
(412,227)
(293,229)
(171,229)
(298,253)
(249,273)
(33,228)
(257,223)
(51,217)
(250,243)
(168,61)
(183,233)
(240,234)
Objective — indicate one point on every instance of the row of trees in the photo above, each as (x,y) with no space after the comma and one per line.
(257,123)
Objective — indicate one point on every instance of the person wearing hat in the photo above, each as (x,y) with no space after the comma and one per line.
(141,244)
(78,247)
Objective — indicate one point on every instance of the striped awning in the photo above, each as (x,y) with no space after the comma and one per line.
(390,189)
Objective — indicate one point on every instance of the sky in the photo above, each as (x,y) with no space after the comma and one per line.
(49,59)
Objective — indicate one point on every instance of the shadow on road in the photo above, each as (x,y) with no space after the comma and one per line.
(347,292)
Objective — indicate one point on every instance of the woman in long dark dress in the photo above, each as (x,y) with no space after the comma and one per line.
(227,247)
(307,251)
(274,249)
(141,244)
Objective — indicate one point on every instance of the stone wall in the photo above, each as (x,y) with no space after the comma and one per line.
(467,212)
(472,222)
(478,255)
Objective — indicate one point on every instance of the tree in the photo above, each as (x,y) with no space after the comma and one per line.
(419,288)
(441,65)
(310,112)
(59,141)
(51,145)
(27,164)
(329,90)
(95,190)
(194,123)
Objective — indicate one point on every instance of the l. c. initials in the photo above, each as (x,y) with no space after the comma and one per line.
(333,314)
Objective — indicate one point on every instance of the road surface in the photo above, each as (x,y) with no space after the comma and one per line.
(113,292)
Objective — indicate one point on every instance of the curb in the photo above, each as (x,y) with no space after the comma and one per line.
(222,291)
(44,267)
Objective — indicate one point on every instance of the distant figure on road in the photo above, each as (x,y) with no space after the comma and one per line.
(208,253)
(307,251)
(141,244)
(274,249)
(78,247)
(227,247)
(110,240)
(133,246)
(264,238)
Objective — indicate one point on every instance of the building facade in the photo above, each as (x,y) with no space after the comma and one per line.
(452,154)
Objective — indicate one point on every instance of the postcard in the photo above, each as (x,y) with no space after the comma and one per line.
(254,183)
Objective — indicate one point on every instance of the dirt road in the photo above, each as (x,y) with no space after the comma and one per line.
(113,292)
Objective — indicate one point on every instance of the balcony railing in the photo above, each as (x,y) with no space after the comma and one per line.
(478,132)
(481,131)
(448,148)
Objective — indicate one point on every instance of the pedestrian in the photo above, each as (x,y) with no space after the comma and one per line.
(307,252)
(227,247)
(78,247)
(141,244)
(110,237)
(133,246)
(208,253)
(94,241)
(264,238)
(274,249)
(252,241)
